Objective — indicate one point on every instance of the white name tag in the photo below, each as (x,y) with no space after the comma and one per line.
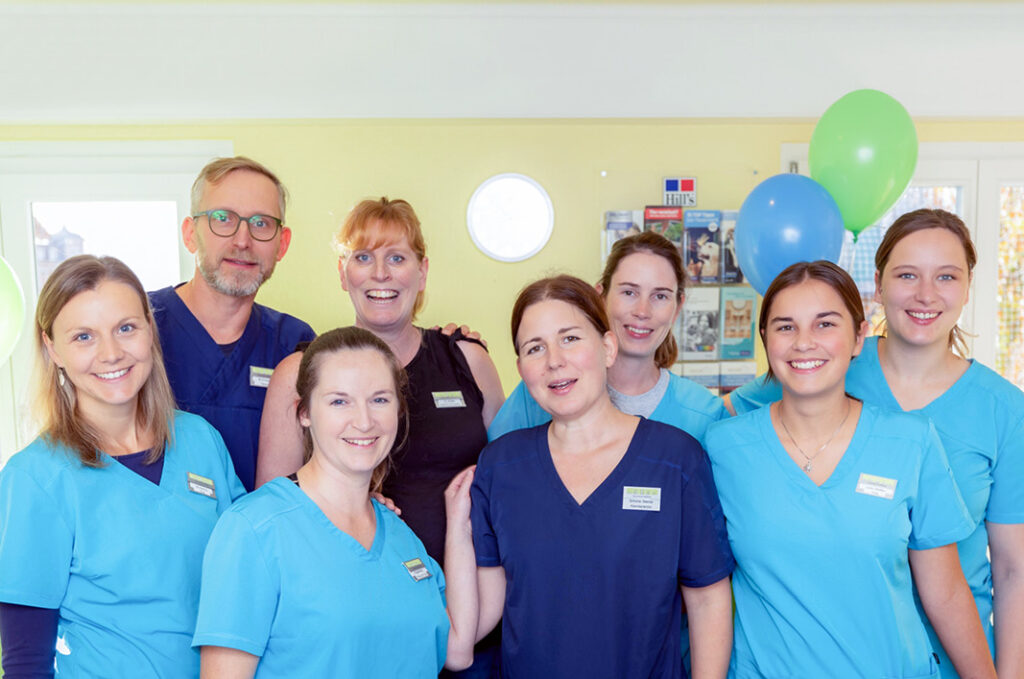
(877,486)
(417,569)
(641,499)
(448,399)
(259,377)
(201,485)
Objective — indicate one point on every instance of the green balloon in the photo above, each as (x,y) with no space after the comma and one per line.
(864,150)
(12,310)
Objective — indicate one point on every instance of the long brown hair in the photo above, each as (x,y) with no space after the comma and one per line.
(919,220)
(373,223)
(564,288)
(656,244)
(341,339)
(56,405)
(828,273)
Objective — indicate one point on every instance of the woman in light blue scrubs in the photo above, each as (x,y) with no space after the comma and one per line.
(104,517)
(310,577)
(831,503)
(924,268)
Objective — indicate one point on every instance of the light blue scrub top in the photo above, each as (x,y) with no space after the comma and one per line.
(685,405)
(280,581)
(980,420)
(118,555)
(822,582)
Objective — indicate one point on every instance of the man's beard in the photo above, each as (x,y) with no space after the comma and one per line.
(242,284)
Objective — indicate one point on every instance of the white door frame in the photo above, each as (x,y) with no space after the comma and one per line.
(72,171)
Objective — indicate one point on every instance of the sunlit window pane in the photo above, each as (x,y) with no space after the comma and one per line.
(143,234)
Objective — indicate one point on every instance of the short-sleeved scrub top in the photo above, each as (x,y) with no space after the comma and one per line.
(822,583)
(280,581)
(980,420)
(118,555)
(593,589)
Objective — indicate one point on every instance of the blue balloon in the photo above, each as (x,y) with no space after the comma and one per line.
(787,218)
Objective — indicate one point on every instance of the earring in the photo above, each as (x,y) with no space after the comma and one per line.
(61,380)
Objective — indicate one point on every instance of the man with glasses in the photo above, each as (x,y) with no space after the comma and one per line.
(220,347)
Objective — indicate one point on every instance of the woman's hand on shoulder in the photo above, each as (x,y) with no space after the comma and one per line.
(387,502)
(450,329)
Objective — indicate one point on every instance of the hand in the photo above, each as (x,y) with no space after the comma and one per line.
(457,502)
(450,329)
(387,502)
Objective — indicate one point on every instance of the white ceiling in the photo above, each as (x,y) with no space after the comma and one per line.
(88,62)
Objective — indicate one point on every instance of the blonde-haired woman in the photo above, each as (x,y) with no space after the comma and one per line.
(104,517)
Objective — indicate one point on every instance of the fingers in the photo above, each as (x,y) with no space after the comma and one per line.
(387,502)
(461,483)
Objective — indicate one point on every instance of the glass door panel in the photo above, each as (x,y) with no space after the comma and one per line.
(1010,291)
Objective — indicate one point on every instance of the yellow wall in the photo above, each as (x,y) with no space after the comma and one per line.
(330,165)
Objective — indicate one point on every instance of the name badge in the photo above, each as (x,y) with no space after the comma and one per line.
(448,399)
(641,499)
(202,485)
(259,377)
(417,569)
(877,486)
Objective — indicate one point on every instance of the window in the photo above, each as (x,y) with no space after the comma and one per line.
(126,199)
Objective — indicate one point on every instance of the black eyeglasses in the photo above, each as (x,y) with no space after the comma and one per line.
(225,223)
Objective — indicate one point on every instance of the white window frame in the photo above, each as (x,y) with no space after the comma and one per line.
(78,171)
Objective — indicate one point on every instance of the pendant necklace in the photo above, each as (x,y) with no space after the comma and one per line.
(808,466)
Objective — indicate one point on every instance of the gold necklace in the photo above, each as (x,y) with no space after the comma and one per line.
(808,466)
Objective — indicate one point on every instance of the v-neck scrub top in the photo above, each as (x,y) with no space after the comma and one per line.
(980,420)
(118,555)
(593,588)
(280,581)
(685,405)
(822,582)
(228,390)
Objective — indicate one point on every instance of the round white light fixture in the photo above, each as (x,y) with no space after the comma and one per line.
(510,217)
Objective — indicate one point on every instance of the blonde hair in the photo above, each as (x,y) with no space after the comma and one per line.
(219,168)
(373,223)
(56,405)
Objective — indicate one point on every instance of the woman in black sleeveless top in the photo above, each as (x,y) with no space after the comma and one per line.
(454,388)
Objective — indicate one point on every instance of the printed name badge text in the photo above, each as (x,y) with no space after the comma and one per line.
(201,485)
(641,499)
(259,377)
(417,569)
(448,399)
(877,486)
